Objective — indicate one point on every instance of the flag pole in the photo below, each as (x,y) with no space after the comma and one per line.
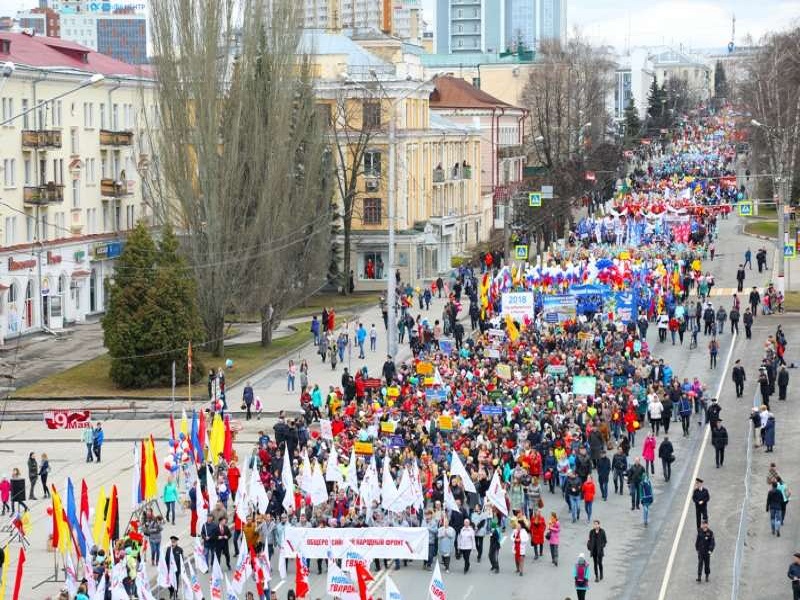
(189,367)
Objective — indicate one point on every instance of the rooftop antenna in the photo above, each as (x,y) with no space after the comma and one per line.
(628,36)
(731,44)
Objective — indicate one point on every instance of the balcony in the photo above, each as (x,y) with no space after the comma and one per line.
(43,194)
(116,138)
(438,176)
(41,139)
(510,151)
(110,188)
(466,172)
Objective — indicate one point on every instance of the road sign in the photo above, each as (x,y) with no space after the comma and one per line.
(534,199)
(521,252)
(788,251)
(547,192)
(745,208)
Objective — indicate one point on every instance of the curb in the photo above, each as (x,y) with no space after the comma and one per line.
(137,415)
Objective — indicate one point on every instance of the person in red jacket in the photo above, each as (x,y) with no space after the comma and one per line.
(538,526)
(588,491)
(233,479)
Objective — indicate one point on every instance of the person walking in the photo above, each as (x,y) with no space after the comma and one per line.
(649,453)
(588,491)
(722,316)
(647,497)
(174,561)
(538,527)
(520,538)
(152,528)
(635,475)
(361,339)
(291,375)
(619,466)
(748,259)
(98,437)
(794,576)
(494,545)
(713,350)
(5,494)
(581,575)
(170,496)
(755,299)
(603,472)
(685,413)
(775,508)
(719,439)
(734,316)
(552,537)
(33,474)
(769,432)
(466,542)
(740,278)
(87,437)
(373,338)
(666,453)
(446,536)
(247,399)
(17,490)
(701,498)
(704,545)
(739,377)
(783,382)
(596,546)
(44,473)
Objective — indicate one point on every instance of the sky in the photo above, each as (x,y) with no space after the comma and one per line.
(692,23)
(620,23)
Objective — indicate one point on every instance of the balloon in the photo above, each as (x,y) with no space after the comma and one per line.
(390,403)
(229,363)
(168,464)
(182,435)
(636,425)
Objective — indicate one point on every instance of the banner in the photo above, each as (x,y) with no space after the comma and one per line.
(364,448)
(339,584)
(558,308)
(405,543)
(66,418)
(325,429)
(584,386)
(517,305)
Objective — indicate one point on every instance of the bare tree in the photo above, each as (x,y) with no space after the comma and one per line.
(237,148)
(356,119)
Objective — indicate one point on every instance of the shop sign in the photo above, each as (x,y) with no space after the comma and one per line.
(106,250)
(53,259)
(19,265)
(79,256)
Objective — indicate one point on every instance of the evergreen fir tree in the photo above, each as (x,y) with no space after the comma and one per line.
(633,125)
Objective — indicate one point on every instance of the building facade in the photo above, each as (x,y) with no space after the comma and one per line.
(502,135)
(401,18)
(439,212)
(71,179)
(552,22)
(42,21)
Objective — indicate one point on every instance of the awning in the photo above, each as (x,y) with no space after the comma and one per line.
(78,274)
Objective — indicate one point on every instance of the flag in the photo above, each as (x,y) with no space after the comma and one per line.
(227,445)
(143,582)
(70,576)
(332,472)
(26,523)
(339,584)
(189,360)
(202,511)
(389,492)
(351,479)
(436,589)
(392,593)
(496,494)
(240,572)
(88,575)
(305,474)
(319,491)
(258,572)
(194,439)
(151,470)
(112,519)
(230,594)
(201,436)
(136,476)
(457,468)
(200,557)
(4,581)
(195,589)
(72,516)
(99,532)
(84,510)
(18,580)
(511,329)
(363,576)
(300,578)
(163,580)
(172,426)
(211,488)
(100,591)
(118,573)
(282,565)
(184,429)
(288,481)
(449,499)
(216,439)
(216,581)
(61,537)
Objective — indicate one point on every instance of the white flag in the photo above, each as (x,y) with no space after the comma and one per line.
(216,581)
(257,493)
(436,589)
(457,468)
(340,585)
(100,591)
(332,471)
(405,491)
(202,511)
(318,491)
(143,582)
(288,481)
(282,565)
(392,593)
(194,583)
(211,488)
(240,572)
(88,575)
(351,480)
(305,474)
(164,580)
(136,474)
(200,556)
(416,486)
(230,594)
(71,577)
(118,572)
(449,499)
(497,495)
(389,492)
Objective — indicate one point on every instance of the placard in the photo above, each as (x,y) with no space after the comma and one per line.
(393,392)
(445,422)
(66,418)
(364,448)
(424,368)
(503,371)
(584,386)
(436,395)
(517,305)
(558,308)
(325,429)
(492,411)
(388,426)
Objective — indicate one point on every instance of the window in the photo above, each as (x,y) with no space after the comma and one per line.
(90,167)
(115,117)
(25,119)
(373,267)
(30,228)
(130,216)
(372,211)
(88,114)
(324,114)
(8,108)
(56,108)
(74,146)
(371,115)
(372,163)
(103,115)
(28,171)
(103,166)
(58,170)
(45,233)
(476,82)
(59,228)
(106,217)
(76,193)
(12,291)
(9,168)
(11,235)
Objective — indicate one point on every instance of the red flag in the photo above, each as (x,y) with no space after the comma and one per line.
(300,578)
(84,512)
(227,449)
(364,577)
(142,471)
(172,426)
(18,582)
(153,456)
(258,571)
(201,434)
(113,526)
(189,362)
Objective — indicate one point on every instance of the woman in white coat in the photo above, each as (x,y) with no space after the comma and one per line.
(466,542)
(521,539)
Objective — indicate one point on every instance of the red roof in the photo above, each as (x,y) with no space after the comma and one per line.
(55,53)
(454,92)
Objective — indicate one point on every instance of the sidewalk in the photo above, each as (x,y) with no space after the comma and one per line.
(270,383)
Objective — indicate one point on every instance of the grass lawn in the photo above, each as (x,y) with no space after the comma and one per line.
(791,302)
(315,304)
(759,227)
(91,378)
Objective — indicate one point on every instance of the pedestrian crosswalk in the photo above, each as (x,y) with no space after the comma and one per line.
(723,291)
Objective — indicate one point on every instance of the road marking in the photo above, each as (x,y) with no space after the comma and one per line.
(674,551)
(277,587)
(470,589)
(737,555)
(378,580)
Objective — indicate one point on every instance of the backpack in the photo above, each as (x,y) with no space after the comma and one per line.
(580,576)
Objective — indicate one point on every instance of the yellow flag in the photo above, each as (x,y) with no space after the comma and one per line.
(511,329)
(5,573)
(151,485)
(99,529)
(64,539)
(184,425)
(216,441)
(26,526)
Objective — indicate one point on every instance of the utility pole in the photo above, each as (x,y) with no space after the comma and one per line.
(391,284)
(507,229)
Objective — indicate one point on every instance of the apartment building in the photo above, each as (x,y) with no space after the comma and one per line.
(439,212)
(73,151)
